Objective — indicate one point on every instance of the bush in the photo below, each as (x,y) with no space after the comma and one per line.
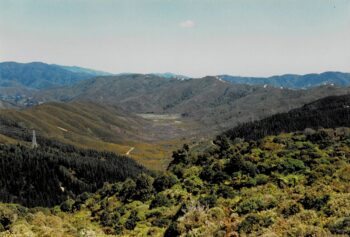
(144,189)
(237,164)
(128,189)
(255,204)
(253,222)
(131,222)
(163,222)
(340,226)
(172,230)
(208,201)
(291,209)
(261,179)
(193,184)
(313,202)
(226,191)
(164,181)
(109,219)
(290,165)
(160,200)
(67,206)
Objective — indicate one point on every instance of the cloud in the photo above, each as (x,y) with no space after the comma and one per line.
(187,24)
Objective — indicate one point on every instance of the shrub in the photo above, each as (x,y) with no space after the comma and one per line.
(164,181)
(340,226)
(144,188)
(291,209)
(207,174)
(255,204)
(226,191)
(253,222)
(208,201)
(193,184)
(291,165)
(172,230)
(219,177)
(237,164)
(128,189)
(313,202)
(160,200)
(109,219)
(162,222)
(261,179)
(131,222)
(67,206)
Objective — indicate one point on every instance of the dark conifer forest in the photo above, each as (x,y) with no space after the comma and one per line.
(47,175)
(330,112)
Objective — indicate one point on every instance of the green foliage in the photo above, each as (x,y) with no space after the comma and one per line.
(164,181)
(67,206)
(314,202)
(160,200)
(144,189)
(56,171)
(255,204)
(340,226)
(291,209)
(130,224)
(220,195)
(253,222)
(208,201)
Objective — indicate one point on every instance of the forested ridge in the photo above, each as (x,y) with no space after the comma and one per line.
(329,112)
(293,184)
(49,174)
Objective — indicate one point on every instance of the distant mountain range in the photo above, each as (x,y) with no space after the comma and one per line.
(294,81)
(38,75)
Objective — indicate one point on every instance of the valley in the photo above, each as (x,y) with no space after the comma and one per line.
(141,155)
(151,114)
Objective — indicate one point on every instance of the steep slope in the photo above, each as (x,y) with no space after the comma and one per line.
(294,81)
(329,112)
(39,75)
(100,127)
(53,172)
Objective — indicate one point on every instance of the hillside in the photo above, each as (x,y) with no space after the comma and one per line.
(329,112)
(287,185)
(294,81)
(214,104)
(101,127)
(37,75)
(53,172)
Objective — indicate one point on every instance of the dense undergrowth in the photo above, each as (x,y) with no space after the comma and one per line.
(294,184)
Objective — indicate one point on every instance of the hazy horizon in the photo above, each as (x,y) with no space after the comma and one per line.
(188,37)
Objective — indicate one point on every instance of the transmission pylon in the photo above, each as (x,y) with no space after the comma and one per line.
(34,144)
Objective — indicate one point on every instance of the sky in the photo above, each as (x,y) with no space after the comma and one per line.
(189,37)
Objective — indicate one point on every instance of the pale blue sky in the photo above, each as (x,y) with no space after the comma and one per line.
(191,37)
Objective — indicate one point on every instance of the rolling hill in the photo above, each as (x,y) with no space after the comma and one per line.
(214,104)
(94,126)
(294,81)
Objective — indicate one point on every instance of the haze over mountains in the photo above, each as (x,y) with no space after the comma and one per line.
(39,75)
(212,103)
(294,81)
